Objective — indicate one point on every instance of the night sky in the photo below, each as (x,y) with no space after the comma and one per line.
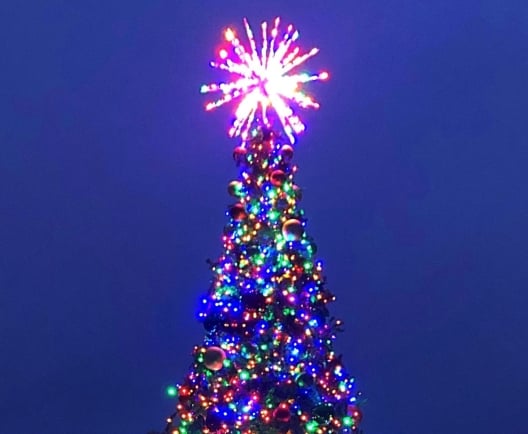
(113,192)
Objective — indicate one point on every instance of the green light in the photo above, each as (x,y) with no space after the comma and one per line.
(348,421)
(311,426)
(244,375)
(274,215)
(283,260)
(172,391)
(288,311)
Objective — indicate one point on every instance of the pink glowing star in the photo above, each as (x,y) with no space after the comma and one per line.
(263,80)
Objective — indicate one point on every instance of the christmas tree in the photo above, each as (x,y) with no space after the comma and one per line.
(267,363)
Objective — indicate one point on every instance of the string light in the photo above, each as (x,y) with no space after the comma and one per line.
(267,359)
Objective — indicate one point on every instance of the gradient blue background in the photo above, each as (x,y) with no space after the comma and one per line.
(113,191)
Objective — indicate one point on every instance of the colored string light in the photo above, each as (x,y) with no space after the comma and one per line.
(266,364)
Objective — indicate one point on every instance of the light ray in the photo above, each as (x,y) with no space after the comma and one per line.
(261,82)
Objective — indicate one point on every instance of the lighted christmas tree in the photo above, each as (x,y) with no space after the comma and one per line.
(266,364)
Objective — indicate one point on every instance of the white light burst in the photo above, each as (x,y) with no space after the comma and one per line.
(263,80)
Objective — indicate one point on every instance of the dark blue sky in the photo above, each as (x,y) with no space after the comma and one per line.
(113,191)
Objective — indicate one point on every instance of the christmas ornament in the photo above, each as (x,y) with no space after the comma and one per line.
(282,413)
(286,153)
(235,189)
(355,412)
(305,381)
(214,358)
(239,155)
(323,412)
(213,420)
(298,192)
(237,212)
(292,230)
(277,177)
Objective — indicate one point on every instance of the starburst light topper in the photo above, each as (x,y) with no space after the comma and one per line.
(263,82)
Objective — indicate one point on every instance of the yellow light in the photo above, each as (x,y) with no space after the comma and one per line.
(229,35)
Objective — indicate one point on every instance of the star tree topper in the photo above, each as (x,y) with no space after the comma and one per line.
(262,80)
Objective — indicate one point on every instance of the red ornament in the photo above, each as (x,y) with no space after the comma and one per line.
(355,413)
(214,358)
(277,177)
(237,212)
(239,154)
(298,192)
(286,153)
(282,413)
